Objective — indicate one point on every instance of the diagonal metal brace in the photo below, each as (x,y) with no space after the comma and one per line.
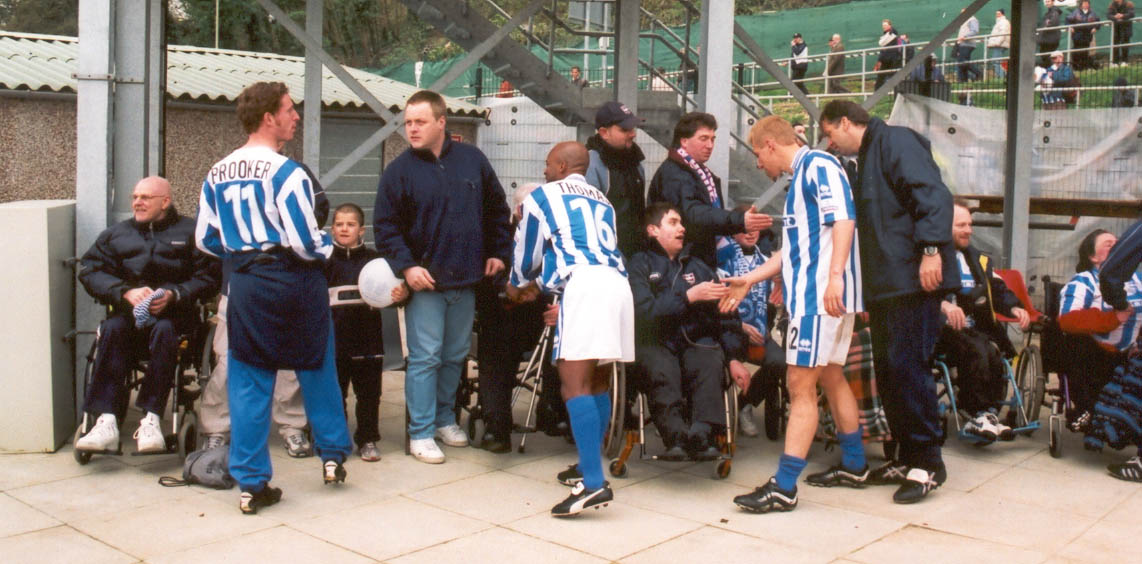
(762,58)
(326,59)
(928,49)
(452,74)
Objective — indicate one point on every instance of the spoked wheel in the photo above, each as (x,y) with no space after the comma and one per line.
(774,413)
(613,440)
(1032,383)
(187,435)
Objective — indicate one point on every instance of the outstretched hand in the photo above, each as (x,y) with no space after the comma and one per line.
(738,288)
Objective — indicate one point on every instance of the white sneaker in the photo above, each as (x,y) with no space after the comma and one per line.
(745,422)
(425,450)
(104,436)
(980,426)
(1002,431)
(452,435)
(149,435)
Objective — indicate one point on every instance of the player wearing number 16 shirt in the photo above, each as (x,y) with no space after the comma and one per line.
(566,243)
(256,212)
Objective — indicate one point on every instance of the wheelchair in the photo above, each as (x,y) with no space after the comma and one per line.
(630,437)
(1023,374)
(194,359)
(530,382)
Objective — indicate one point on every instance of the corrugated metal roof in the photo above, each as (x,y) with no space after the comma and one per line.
(49,63)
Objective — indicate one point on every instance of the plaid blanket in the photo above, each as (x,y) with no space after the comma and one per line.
(862,379)
(1117,420)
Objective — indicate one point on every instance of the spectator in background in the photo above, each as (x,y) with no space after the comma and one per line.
(929,79)
(658,83)
(835,66)
(799,51)
(1082,35)
(1120,12)
(965,45)
(890,55)
(505,90)
(1049,38)
(999,43)
(577,77)
(1058,75)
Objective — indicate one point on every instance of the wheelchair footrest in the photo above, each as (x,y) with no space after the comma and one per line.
(103,452)
(523,429)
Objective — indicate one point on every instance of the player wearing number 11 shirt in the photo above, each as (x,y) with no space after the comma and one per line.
(256,212)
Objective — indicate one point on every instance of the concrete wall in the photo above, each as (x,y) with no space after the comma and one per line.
(38,141)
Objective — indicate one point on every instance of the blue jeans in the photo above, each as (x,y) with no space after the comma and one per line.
(998,53)
(439,332)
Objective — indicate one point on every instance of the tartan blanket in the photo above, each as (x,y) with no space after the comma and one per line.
(862,380)
(1117,418)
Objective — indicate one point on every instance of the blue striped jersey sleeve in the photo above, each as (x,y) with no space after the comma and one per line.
(527,252)
(208,231)
(293,196)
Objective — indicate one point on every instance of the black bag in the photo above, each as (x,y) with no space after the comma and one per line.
(209,467)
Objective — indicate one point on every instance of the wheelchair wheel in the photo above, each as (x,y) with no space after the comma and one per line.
(774,413)
(207,362)
(1032,382)
(187,435)
(613,440)
(81,457)
(723,469)
(1053,444)
(618,469)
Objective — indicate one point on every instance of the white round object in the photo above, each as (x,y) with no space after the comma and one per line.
(376,283)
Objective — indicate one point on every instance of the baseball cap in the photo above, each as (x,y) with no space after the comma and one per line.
(797,35)
(616,112)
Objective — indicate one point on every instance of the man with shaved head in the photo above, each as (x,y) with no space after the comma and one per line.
(149,272)
(565,244)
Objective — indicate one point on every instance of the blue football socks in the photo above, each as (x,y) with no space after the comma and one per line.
(852,450)
(788,469)
(588,432)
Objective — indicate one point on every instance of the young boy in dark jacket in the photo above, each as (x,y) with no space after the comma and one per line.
(683,343)
(357,327)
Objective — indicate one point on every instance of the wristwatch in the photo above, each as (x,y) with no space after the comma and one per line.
(931,251)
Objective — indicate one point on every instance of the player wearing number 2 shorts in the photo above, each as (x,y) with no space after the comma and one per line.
(565,243)
(820,267)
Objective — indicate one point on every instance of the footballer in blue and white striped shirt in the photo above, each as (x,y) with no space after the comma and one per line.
(821,277)
(565,241)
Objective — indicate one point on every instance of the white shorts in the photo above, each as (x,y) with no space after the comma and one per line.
(818,340)
(596,317)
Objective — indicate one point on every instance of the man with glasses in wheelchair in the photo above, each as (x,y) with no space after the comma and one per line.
(150,274)
(972,340)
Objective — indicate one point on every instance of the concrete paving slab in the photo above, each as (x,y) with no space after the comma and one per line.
(278,544)
(905,545)
(611,533)
(500,546)
(17,518)
(59,544)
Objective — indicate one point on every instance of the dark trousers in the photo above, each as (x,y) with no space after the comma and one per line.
(768,376)
(672,381)
(1122,33)
(120,347)
(365,375)
(1088,368)
(504,336)
(799,77)
(979,368)
(904,333)
(1045,49)
(965,70)
(1081,58)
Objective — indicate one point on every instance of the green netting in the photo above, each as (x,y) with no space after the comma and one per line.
(858,22)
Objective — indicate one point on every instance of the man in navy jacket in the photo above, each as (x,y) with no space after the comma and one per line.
(441,220)
(904,217)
